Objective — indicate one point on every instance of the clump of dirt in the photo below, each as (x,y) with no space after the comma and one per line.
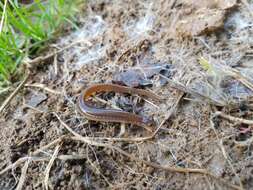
(202,17)
(45,142)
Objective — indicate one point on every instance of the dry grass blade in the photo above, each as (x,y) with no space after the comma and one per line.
(95,143)
(170,112)
(171,169)
(225,155)
(238,76)
(55,65)
(40,59)
(23,175)
(154,165)
(232,118)
(71,157)
(15,164)
(98,171)
(92,142)
(181,87)
(24,159)
(50,164)
(103,138)
(13,94)
(3,16)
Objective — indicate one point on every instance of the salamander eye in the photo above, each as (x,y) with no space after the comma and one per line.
(147,121)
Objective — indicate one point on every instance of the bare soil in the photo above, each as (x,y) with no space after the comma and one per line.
(193,43)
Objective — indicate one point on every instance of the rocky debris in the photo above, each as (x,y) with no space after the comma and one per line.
(36,99)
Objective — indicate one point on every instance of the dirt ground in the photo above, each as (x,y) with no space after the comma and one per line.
(196,55)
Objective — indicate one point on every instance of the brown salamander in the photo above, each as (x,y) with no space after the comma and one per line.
(113,115)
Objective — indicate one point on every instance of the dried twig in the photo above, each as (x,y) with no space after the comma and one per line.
(13,94)
(43,87)
(33,108)
(56,141)
(48,168)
